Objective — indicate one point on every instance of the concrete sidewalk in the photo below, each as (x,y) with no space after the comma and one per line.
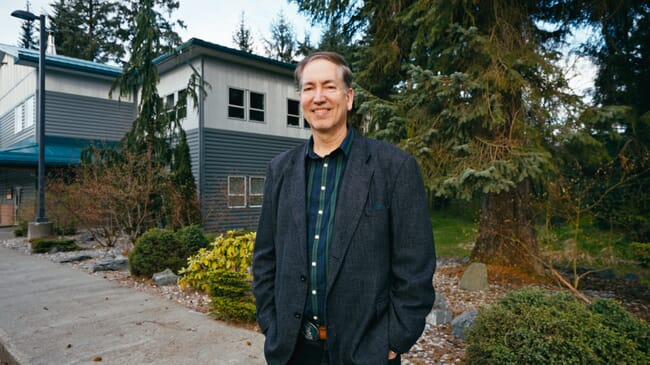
(51,314)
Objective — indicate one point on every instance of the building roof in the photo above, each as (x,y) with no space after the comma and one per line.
(195,47)
(23,56)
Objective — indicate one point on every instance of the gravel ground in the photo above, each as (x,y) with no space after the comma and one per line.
(436,346)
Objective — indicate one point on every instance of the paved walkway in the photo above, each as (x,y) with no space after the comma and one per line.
(53,314)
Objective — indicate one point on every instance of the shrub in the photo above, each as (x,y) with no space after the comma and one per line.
(230,251)
(21,229)
(192,239)
(223,272)
(44,245)
(532,327)
(156,250)
(642,252)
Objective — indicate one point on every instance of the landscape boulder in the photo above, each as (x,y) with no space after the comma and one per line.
(461,323)
(475,278)
(116,263)
(166,277)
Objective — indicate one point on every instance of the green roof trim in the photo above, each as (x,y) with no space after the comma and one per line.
(59,151)
(231,51)
(30,56)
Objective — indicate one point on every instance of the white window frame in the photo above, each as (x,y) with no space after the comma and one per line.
(289,115)
(242,107)
(19,118)
(30,111)
(251,194)
(250,107)
(236,194)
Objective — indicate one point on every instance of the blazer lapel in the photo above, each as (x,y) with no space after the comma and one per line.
(295,180)
(350,204)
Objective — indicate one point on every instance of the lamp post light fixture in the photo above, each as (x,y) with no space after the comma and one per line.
(40,227)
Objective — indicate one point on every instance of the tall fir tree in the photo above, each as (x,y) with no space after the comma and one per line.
(90,29)
(242,37)
(469,89)
(282,45)
(27,30)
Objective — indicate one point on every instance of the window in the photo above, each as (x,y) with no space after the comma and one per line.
(256,107)
(182,109)
(256,191)
(293,113)
(169,106)
(30,112)
(235,103)
(236,192)
(19,118)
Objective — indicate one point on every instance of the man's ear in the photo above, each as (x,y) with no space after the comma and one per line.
(350,96)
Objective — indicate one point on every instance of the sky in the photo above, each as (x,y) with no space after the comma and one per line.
(212,21)
(216,21)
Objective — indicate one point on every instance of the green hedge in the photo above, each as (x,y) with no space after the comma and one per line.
(45,245)
(534,327)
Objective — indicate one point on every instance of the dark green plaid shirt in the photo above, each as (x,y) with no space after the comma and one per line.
(324,175)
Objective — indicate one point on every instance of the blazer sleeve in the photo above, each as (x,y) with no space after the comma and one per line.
(264,259)
(413,258)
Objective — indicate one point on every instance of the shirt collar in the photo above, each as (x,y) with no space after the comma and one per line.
(345,146)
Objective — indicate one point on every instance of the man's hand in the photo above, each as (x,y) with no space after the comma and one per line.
(392,354)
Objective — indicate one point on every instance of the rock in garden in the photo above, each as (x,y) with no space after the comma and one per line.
(75,258)
(166,277)
(461,323)
(112,264)
(631,277)
(475,277)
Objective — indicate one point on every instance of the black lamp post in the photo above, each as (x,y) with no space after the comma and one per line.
(40,218)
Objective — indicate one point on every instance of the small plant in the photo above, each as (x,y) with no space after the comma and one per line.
(223,272)
(533,327)
(642,252)
(156,250)
(45,245)
(21,229)
(192,239)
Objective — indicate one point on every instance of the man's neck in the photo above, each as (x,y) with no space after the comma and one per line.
(325,143)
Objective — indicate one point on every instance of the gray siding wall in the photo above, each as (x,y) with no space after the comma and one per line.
(83,117)
(234,153)
(8,136)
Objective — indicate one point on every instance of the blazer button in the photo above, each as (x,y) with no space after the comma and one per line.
(297,315)
(303,278)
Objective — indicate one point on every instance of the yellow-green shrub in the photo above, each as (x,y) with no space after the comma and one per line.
(230,251)
(222,270)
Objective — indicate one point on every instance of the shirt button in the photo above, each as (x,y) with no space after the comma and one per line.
(320,212)
(322,187)
(316,237)
(313,292)
(313,263)
(325,165)
(315,318)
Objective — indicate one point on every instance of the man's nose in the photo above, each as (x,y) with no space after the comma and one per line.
(319,95)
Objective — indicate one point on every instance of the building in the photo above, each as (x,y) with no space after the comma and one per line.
(249,113)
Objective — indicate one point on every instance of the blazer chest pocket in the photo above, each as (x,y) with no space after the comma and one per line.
(378,202)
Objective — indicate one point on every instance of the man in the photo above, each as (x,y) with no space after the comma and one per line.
(344,255)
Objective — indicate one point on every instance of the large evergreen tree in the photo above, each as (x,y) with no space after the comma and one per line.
(90,29)
(27,32)
(468,88)
(242,36)
(282,45)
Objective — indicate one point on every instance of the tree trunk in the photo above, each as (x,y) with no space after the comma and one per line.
(506,235)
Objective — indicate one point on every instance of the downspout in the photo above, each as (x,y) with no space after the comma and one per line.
(202,141)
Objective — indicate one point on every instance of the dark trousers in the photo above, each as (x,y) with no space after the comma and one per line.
(309,352)
(315,353)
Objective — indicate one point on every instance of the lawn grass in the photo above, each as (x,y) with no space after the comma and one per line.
(454,234)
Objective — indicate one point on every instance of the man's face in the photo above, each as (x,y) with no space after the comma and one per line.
(324,98)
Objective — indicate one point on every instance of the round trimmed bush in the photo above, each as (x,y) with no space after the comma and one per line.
(156,250)
(192,239)
(534,327)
